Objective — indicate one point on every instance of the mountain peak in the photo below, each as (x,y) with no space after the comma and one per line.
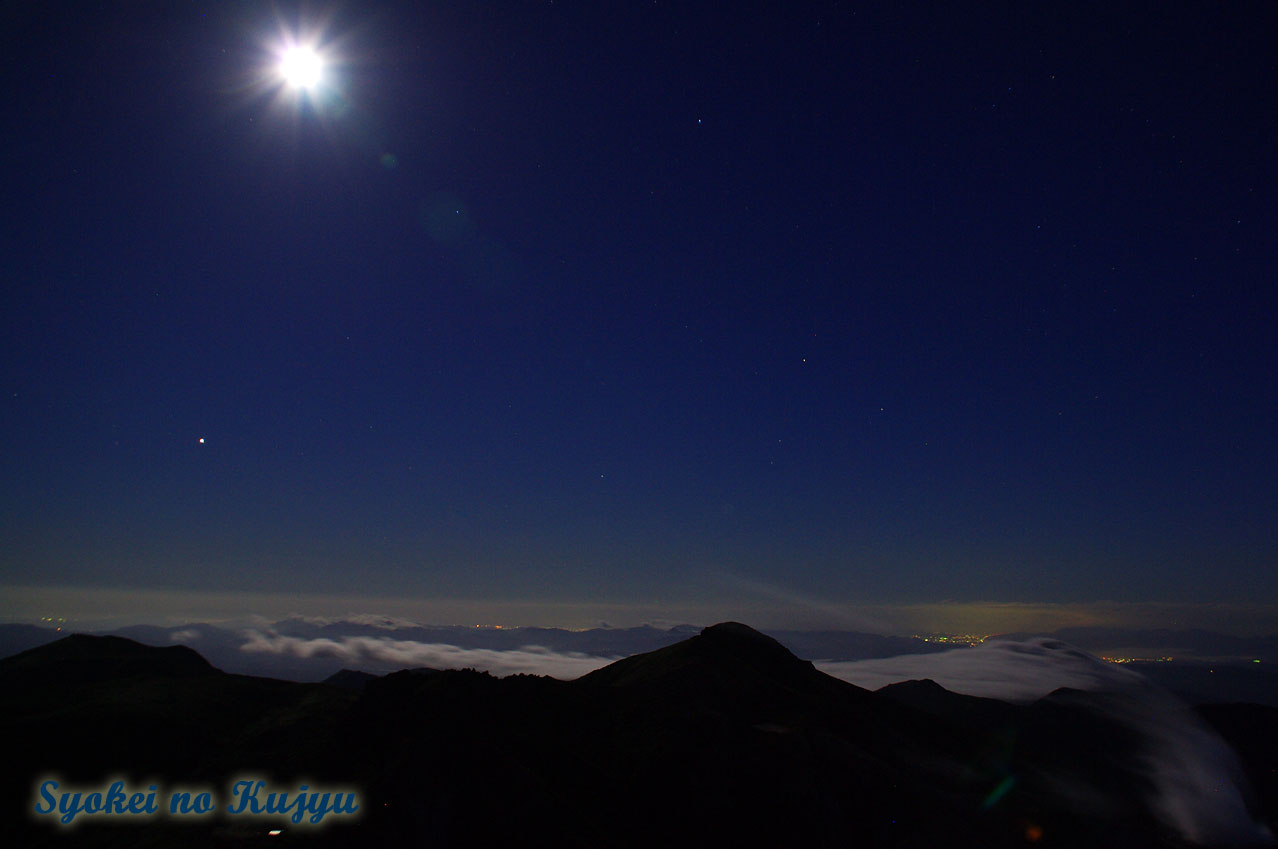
(88,658)
(743,639)
(729,654)
(736,631)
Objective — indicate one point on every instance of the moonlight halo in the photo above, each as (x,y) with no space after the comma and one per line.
(301,67)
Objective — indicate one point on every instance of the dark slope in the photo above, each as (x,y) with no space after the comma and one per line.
(726,661)
(81,659)
(724,739)
(972,713)
(16,638)
(1252,730)
(84,709)
(350,679)
(1083,744)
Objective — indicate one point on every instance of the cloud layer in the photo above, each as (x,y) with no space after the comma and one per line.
(365,652)
(1013,671)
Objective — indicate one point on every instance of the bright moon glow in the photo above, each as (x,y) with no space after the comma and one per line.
(301,67)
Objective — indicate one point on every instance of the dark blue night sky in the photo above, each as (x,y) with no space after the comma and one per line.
(635,302)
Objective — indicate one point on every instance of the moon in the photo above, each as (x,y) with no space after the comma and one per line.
(301,67)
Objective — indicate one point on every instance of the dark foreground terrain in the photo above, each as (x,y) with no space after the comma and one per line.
(724,739)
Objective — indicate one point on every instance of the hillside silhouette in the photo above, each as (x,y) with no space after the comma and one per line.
(723,739)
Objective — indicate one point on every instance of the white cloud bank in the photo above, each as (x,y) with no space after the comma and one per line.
(999,669)
(361,652)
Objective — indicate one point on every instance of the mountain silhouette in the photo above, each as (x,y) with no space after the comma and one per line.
(729,663)
(350,679)
(81,659)
(723,739)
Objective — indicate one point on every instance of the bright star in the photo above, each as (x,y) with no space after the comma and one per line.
(301,67)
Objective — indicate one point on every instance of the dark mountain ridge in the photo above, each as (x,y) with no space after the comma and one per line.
(81,659)
(723,739)
(224,647)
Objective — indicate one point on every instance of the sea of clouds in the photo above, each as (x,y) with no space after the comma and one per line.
(364,652)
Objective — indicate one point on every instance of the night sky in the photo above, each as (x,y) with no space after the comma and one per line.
(669,305)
